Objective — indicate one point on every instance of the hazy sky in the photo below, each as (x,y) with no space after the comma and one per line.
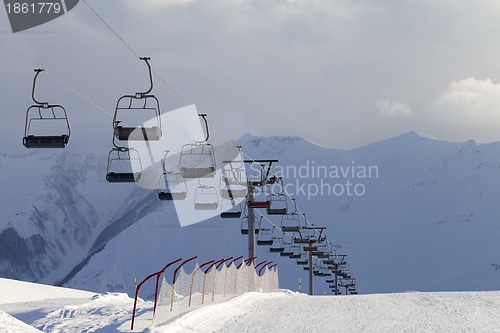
(339,73)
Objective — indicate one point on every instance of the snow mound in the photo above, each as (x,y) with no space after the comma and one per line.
(9,324)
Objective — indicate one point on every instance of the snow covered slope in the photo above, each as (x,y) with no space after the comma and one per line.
(426,219)
(289,312)
(55,309)
(10,324)
(281,311)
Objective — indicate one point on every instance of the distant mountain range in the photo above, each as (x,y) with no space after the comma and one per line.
(411,213)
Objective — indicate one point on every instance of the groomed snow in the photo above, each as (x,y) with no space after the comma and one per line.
(292,312)
(52,309)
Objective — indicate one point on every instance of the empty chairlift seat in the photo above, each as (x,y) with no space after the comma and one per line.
(229,209)
(244,226)
(197,161)
(278,204)
(124,166)
(264,237)
(233,184)
(206,198)
(172,186)
(46,125)
(291,223)
(133,111)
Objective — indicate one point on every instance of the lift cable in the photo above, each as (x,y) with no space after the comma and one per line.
(132,50)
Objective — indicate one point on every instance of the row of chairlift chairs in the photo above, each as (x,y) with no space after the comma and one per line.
(196,161)
(294,240)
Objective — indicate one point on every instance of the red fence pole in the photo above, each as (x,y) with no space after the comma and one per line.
(205,278)
(263,267)
(192,279)
(157,274)
(175,277)
(215,273)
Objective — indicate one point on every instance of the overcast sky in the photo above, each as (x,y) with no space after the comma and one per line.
(339,73)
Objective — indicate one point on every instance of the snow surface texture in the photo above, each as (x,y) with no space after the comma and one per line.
(283,311)
(427,222)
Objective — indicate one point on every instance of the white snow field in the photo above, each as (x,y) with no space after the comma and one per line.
(53,309)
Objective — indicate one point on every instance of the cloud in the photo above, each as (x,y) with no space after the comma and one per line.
(316,67)
(392,108)
(471,97)
(467,108)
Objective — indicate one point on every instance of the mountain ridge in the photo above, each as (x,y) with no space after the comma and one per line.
(426,193)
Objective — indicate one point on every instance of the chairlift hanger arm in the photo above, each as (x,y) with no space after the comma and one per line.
(37,71)
(204,116)
(146,60)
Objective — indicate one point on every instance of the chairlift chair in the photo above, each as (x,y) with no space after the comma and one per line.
(291,223)
(43,112)
(288,251)
(305,237)
(229,210)
(124,165)
(296,252)
(143,105)
(197,160)
(244,226)
(206,198)
(172,187)
(278,244)
(234,184)
(264,238)
(302,262)
(304,240)
(278,204)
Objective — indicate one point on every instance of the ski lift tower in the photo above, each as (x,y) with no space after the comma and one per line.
(264,180)
(310,246)
(334,264)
